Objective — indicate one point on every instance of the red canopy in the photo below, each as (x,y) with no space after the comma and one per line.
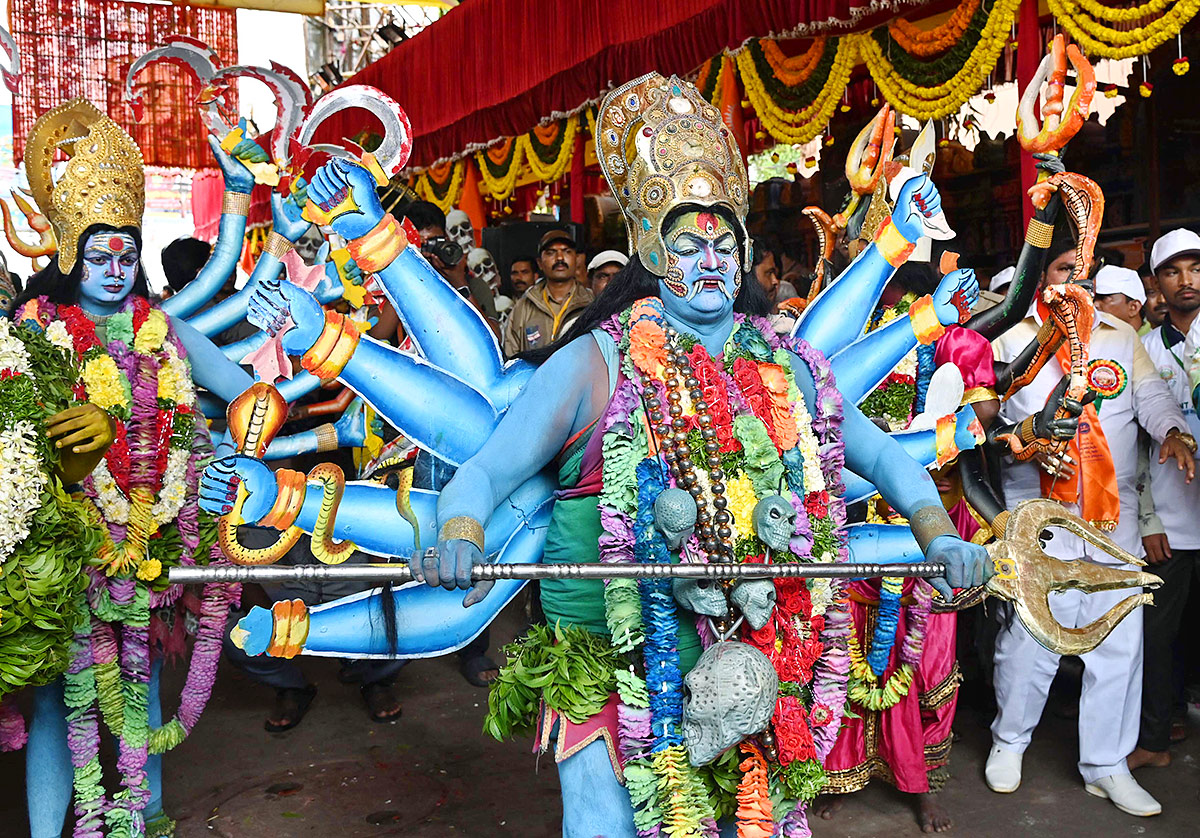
(495,68)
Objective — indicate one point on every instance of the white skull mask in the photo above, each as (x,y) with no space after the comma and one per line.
(732,691)
(459,229)
(482,266)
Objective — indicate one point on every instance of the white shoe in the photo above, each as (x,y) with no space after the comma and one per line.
(1126,795)
(1003,770)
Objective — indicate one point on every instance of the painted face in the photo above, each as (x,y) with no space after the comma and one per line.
(702,265)
(110,262)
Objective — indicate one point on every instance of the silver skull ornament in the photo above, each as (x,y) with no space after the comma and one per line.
(459,229)
(774,522)
(755,598)
(700,596)
(482,266)
(731,694)
(675,517)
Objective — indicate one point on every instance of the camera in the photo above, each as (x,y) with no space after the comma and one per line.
(449,252)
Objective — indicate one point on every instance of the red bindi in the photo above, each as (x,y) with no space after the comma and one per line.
(116,244)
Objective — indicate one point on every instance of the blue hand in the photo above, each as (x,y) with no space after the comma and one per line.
(918,200)
(951,309)
(351,428)
(285,217)
(237,177)
(967,565)
(330,187)
(220,481)
(450,567)
(274,301)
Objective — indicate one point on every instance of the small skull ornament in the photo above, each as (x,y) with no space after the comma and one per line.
(700,596)
(675,517)
(731,694)
(774,522)
(459,229)
(482,266)
(755,598)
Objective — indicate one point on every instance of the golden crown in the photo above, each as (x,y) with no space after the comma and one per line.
(661,146)
(104,181)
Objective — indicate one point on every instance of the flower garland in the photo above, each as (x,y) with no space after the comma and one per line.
(141,376)
(547,149)
(797,69)
(864,689)
(442,184)
(1082,20)
(499,167)
(933,101)
(767,442)
(925,43)
(797,117)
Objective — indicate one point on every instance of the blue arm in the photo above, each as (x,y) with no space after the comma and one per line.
(864,364)
(837,317)
(233,309)
(216,270)
(210,368)
(883,544)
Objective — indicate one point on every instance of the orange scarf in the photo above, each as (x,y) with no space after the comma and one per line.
(1097,478)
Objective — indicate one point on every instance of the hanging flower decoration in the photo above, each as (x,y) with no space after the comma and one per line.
(1085,21)
(1145,89)
(442,184)
(797,113)
(926,43)
(1180,66)
(547,149)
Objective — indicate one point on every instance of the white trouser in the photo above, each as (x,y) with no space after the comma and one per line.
(1111,702)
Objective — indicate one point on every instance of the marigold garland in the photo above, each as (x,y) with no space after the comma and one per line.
(793,70)
(798,125)
(499,166)
(1081,19)
(548,149)
(442,184)
(925,43)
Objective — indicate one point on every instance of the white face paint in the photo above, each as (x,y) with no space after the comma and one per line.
(482,266)
(459,229)
(110,263)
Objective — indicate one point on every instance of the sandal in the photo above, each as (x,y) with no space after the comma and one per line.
(473,668)
(292,704)
(382,704)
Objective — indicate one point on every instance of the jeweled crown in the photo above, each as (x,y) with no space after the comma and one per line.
(661,145)
(104,181)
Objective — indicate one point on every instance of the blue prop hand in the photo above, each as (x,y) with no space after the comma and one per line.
(337,180)
(351,428)
(220,481)
(285,217)
(237,177)
(450,567)
(967,565)
(274,301)
(919,199)
(955,296)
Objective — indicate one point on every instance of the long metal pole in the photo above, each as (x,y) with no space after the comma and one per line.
(400,573)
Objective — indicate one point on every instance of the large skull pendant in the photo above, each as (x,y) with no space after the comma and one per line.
(774,522)
(731,694)
(675,517)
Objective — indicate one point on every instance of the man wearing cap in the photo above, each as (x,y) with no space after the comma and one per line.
(1096,480)
(1119,291)
(549,307)
(604,266)
(1174,554)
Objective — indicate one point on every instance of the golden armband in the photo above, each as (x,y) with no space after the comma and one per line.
(380,246)
(327,439)
(277,246)
(1039,234)
(464,528)
(924,320)
(235,203)
(930,522)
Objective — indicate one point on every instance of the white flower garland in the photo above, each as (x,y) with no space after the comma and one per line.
(13,357)
(21,483)
(58,335)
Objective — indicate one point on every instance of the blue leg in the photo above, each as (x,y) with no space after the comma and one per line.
(48,772)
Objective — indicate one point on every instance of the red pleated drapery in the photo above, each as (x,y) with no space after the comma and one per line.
(495,68)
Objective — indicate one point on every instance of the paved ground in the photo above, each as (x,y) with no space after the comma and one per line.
(434,774)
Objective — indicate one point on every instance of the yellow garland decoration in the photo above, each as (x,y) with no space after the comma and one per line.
(924,43)
(552,172)
(1124,15)
(449,201)
(1101,41)
(498,189)
(798,126)
(874,699)
(944,99)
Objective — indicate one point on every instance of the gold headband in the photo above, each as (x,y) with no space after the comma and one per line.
(104,181)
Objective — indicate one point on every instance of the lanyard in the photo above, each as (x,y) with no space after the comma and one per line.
(1162,333)
(562,310)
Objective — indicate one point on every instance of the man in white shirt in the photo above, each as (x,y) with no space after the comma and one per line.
(1174,554)
(1132,394)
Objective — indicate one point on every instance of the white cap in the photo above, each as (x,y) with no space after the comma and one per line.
(1171,245)
(1113,280)
(606,256)
(1002,279)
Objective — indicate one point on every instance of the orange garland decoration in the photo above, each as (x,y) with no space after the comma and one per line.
(754,802)
(795,70)
(926,43)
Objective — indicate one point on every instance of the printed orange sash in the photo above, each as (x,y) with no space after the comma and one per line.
(1100,505)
